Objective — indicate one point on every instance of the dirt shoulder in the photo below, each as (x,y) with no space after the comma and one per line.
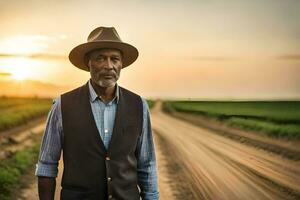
(166,179)
(174,179)
(286,148)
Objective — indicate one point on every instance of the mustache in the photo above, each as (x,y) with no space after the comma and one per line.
(107,74)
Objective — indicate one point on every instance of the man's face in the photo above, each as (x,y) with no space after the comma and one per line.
(105,66)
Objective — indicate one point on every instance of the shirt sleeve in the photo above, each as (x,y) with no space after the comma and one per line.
(51,144)
(146,167)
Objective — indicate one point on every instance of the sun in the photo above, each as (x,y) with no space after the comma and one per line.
(20,68)
(19,75)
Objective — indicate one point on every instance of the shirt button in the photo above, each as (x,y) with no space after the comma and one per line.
(109,179)
(107,158)
(106,131)
(110,196)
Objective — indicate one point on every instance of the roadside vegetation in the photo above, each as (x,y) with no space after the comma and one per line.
(150,103)
(17,111)
(13,113)
(12,169)
(279,119)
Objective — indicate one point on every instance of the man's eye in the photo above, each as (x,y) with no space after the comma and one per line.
(99,58)
(115,59)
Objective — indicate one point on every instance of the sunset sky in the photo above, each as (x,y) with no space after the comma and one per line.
(216,49)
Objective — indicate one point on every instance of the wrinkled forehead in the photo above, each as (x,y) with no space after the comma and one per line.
(104,52)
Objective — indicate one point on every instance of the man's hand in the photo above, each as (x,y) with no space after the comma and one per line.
(46,187)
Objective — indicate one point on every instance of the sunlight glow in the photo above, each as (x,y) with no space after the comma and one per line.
(20,75)
(21,68)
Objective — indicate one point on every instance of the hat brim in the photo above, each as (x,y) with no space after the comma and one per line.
(77,54)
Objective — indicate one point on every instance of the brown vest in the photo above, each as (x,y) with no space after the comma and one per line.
(90,171)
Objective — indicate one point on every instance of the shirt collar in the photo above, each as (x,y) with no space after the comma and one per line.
(93,94)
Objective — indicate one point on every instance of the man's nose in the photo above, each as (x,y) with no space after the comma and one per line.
(108,64)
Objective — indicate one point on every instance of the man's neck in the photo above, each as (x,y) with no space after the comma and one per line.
(105,93)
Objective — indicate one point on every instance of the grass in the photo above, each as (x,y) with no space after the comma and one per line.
(269,128)
(12,169)
(150,103)
(280,111)
(17,111)
(274,118)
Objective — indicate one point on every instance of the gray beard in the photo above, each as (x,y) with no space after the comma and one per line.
(106,83)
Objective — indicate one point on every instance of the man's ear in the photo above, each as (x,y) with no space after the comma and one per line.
(89,64)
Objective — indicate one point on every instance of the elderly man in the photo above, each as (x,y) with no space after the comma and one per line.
(103,129)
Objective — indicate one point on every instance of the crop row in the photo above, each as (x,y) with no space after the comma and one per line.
(278,119)
(20,111)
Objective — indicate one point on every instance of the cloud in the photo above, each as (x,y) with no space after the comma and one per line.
(37,56)
(211,58)
(5,74)
(30,45)
(289,57)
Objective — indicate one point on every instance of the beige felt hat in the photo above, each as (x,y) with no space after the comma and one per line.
(102,37)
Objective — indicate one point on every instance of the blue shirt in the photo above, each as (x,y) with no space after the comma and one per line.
(104,115)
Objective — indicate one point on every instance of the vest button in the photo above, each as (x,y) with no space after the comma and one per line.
(107,158)
(109,179)
(110,196)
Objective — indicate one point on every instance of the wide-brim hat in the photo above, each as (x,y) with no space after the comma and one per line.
(102,37)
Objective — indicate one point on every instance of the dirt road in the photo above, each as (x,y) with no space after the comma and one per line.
(215,167)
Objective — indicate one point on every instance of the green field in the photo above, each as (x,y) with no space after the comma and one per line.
(274,118)
(150,103)
(17,111)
